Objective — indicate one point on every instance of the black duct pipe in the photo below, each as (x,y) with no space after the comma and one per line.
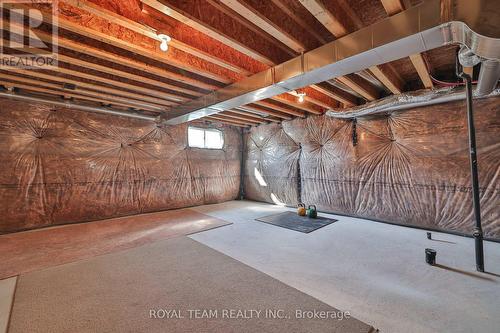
(478,231)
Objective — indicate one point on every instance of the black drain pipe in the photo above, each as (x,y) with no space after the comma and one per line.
(478,231)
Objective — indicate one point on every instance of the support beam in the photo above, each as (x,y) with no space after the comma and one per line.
(245,116)
(148,32)
(211,120)
(259,109)
(156,54)
(388,77)
(281,108)
(230,120)
(316,8)
(393,7)
(360,86)
(55,78)
(255,116)
(77,106)
(61,93)
(340,95)
(339,58)
(78,92)
(185,18)
(265,24)
(228,114)
(419,64)
(301,106)
(115,72)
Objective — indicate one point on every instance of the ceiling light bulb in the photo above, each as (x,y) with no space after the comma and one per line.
(301,97)
(164,42)
(164,46)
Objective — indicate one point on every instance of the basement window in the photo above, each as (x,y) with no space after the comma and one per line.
(206,138)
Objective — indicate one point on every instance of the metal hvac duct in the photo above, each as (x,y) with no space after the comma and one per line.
(418,29)
(488,77)
(77,106)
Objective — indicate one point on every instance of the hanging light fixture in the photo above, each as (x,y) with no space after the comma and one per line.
(164,40)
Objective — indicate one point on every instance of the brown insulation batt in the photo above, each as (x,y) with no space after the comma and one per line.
(411,167)
(63,166)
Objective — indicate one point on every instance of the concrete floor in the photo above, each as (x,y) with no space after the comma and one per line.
(374,270)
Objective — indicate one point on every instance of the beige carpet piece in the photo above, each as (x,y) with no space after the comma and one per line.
(115,293)
(28,251)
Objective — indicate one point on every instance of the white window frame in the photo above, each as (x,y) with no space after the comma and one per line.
(205,130)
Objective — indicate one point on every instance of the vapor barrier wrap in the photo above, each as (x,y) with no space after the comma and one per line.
(410,167)
(63,166)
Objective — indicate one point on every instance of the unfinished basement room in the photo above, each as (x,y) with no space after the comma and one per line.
(250,166)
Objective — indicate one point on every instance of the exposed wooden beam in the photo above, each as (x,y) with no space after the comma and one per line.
(146,31)
(63,80)
(145,93)
(297,18)
(111,57)
(183,17)
(154,54)
(264,23)
(187,19)
(317,8)
(125,75)
(388,77)
(323,15)
(254,116)
(392,6)
(242,118)
(279,108)
(338,94)
(305,106)
(229,120)
(360,86)
(419,64)
(51,89)
(222,122)
(257,108)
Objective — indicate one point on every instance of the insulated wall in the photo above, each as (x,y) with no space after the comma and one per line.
(63,166)
(410,167)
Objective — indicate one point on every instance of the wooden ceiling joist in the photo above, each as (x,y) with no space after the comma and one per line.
(230,120)
(419,63)
(259,109)
(359,85)
(281,108)
(393,7)
(228,114)
(388,77)
(263,23)
(148,32)
(338,94)
(63,80)
(323,15)
(154,54)
(98,98)
(211,120)
(254,116)
(187,19)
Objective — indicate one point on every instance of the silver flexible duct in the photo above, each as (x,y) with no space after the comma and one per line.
(406,101)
